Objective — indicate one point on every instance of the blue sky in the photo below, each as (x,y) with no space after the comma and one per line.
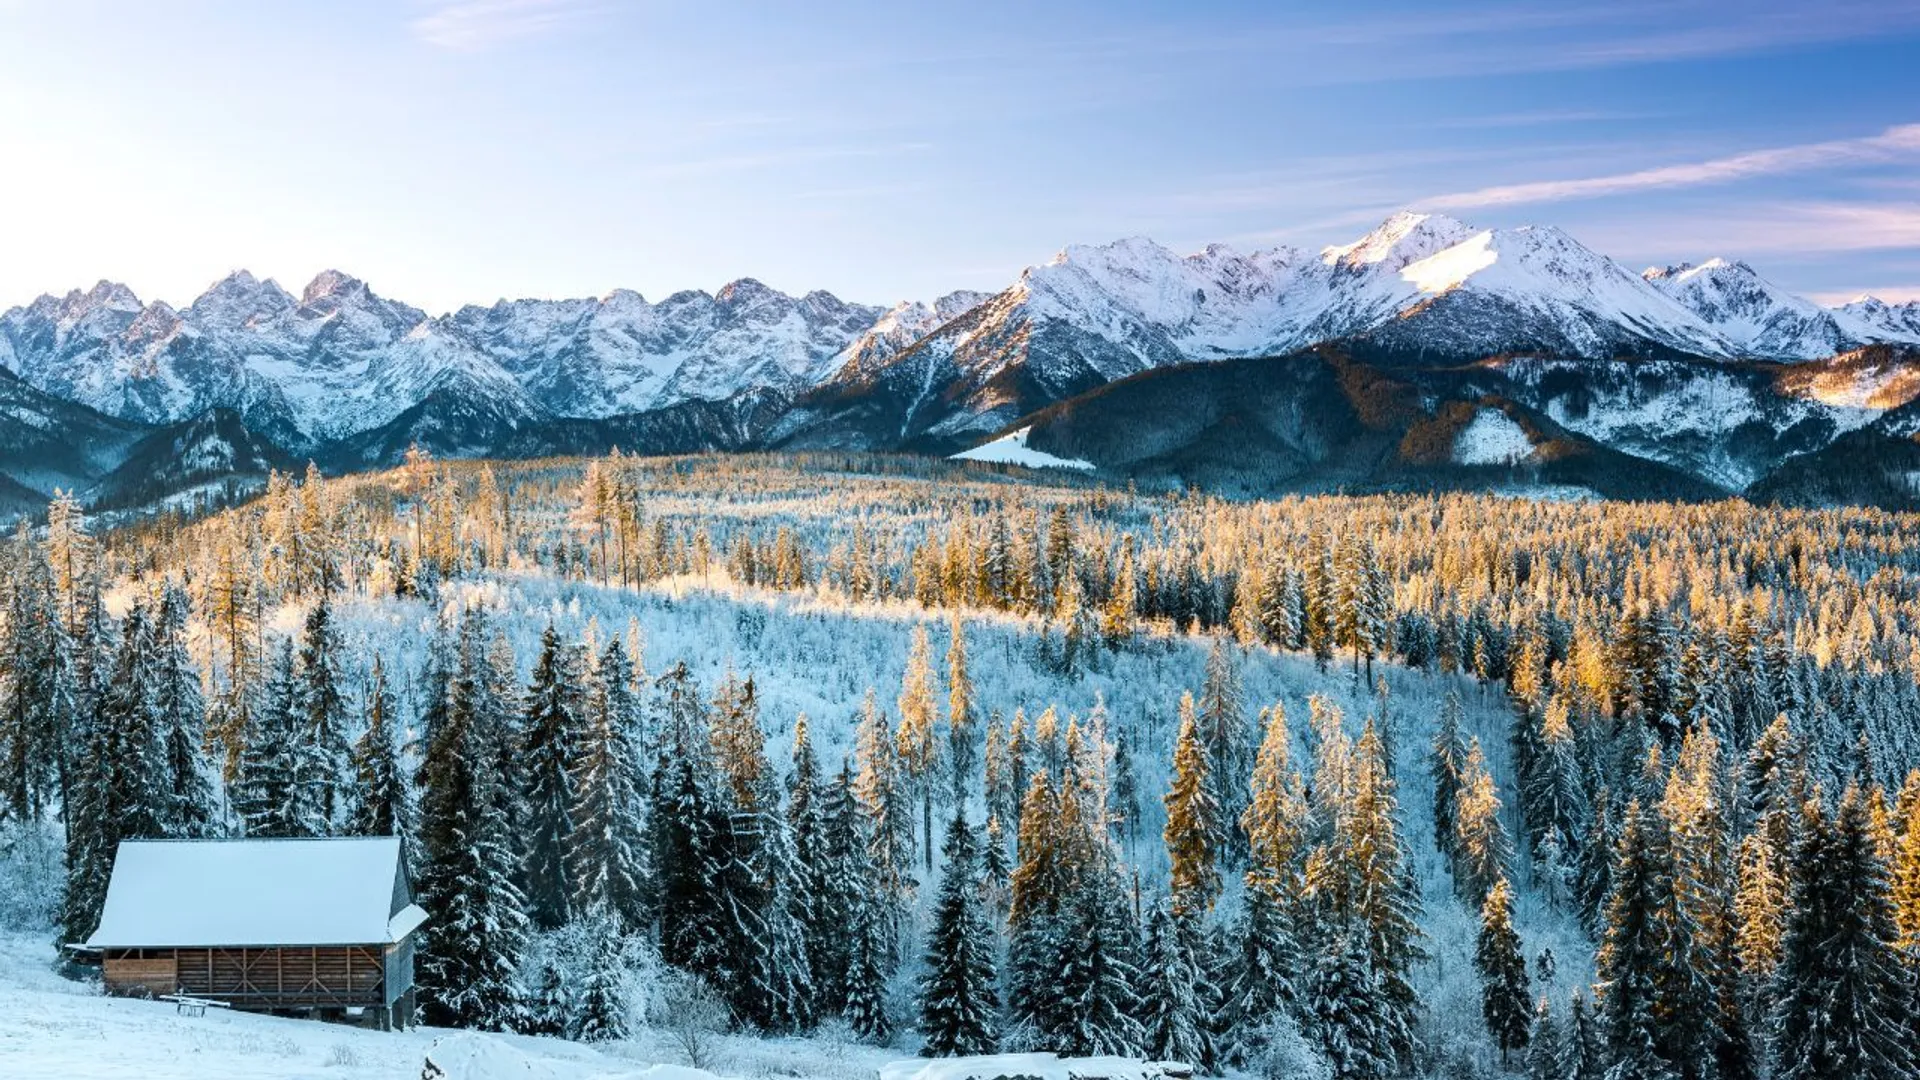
(459,150)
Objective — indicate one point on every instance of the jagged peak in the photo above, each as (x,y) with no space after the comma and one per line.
(332,283)
(1403,238)
(748,290)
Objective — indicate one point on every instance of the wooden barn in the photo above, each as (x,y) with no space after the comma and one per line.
(315,927)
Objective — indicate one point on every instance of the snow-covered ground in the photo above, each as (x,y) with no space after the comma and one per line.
(53,1028)
(1012,449)
(1491,438)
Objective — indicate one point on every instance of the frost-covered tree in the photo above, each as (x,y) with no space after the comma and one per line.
(916,749)
(603,850)
(384,804)
(1844,1005)
(1193,832)
(470,951)
(321,711)
(1171,985)
(1504,989)
(959,999)
(553,727)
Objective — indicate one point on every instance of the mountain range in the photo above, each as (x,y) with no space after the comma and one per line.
(1425,328)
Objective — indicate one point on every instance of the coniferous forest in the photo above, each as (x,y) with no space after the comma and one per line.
(958,759)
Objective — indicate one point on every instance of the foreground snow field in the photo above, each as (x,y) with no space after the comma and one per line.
(52,1028)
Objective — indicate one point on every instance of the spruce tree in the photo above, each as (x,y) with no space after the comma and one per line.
(603,850)
(267,792)
(1172,1010)
(553,726)
(1504,991)
(868,970)
(470,950)
(917,751)
(321,710)
(1193,830)
(385,805)
(1545,1052)
(1447,764)
(1634,956)
(187,807)
(1843,1007)
(959,1001)
(600,1003)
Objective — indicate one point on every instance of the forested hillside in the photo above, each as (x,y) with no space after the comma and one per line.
(956,759)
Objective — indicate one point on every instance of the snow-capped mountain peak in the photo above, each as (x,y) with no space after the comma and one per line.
(1753,315)
(1405,237)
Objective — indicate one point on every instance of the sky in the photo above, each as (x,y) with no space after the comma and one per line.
(455,151)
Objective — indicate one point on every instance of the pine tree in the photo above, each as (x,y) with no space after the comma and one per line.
(1504,991)
(600,1004)
(1175,1017)
(1634,957)
(1843,1007)
(1222,727)
(187,807)
(267,793)
(603,848)
(917,750)
(1481,849)
(879,791)
(1583,1053)
(385,804)
(554,725)
(962,753)
(1097,974)
(1448,764)
(958,996)
(321,710)
(867,973)
(1545,1053)
(33,734)
(470,951)
(1193,814)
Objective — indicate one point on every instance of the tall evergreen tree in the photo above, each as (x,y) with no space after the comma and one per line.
(1193,830)
(1843,1008)
(554,726)
(603,850)
(321,711)
(470,951)
(958,996)
(1504,992)
(1174,1014)
(385,804)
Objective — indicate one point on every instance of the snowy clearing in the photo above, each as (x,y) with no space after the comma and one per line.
(1491,438)
(1012,449)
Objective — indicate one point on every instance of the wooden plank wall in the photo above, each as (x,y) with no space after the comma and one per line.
(290,977)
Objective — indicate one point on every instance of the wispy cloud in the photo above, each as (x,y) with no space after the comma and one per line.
(477,25)
(1894,142)
(1539,118)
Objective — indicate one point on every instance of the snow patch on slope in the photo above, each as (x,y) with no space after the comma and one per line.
(1491,438)
(1012,449)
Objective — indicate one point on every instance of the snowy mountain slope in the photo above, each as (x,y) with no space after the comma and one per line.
(1758,318)
(622,354)
(215,449)
(1900,322)
(340,360)
(1418,289)
(47,442)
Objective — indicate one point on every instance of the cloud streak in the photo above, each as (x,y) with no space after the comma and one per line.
(478,25)
(1895,142)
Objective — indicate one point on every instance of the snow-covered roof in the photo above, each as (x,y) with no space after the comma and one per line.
(179,893)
